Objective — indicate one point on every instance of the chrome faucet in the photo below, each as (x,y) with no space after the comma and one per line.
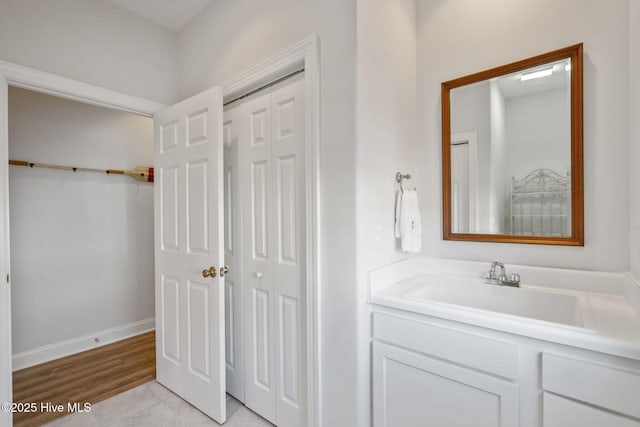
(500,278)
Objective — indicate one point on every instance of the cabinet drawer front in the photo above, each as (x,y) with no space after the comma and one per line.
(486,354)
(601,385)
(560,412)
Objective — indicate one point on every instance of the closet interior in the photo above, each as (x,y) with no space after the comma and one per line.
(82,272)
(81,243)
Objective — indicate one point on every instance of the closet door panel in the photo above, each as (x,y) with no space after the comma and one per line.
(259,126)
(169,208)
(287,104)
(198,329)
(197,207)
(230,328)
(289,351)
(261,325)
(258,211)
(169,137)
(271,136)
(286,202)
(234,338)
(197,128)
(286,107)
(170,343)
(254,130)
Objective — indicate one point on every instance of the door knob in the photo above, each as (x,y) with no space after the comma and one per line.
(224,270)
(258,275)
(210,272)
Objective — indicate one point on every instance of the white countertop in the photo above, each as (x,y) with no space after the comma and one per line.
(611,324)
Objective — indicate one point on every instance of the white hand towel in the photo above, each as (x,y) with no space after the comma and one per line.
(410,225)
(396,225)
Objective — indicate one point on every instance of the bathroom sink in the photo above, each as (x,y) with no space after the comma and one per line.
(474,293)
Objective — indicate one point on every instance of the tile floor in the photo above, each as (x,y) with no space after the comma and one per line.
(153,405)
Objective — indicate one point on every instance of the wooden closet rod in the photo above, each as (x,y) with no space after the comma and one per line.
(142,173)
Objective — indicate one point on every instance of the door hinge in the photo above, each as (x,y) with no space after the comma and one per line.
(8,281)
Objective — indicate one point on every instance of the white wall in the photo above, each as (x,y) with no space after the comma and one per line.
(498,186)
(634,125)
(538,128)
(226,39)
(386,144)
(81,243)
(92,41)
(503,31)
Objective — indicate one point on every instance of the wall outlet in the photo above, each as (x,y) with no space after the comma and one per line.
(377,235)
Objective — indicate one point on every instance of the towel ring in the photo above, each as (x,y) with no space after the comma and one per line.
(400,177)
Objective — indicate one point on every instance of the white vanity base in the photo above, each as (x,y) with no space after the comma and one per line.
(442,368)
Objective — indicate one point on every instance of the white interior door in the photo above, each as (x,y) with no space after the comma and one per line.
(460,187)
(464,182)
(189,239)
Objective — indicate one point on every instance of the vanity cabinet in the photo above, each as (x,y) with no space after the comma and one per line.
(420,381)
(430,372)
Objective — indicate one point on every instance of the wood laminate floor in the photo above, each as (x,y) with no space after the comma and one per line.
(86,377)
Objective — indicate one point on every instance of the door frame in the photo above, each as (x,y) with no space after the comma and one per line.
(471,138)
(303,54)
(62,87)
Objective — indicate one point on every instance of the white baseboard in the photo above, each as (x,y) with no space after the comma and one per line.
(76,345)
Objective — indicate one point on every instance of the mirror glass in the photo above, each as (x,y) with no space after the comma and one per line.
(512,152)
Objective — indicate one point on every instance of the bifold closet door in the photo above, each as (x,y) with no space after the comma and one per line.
(234,343)
(272,182)
(288,132)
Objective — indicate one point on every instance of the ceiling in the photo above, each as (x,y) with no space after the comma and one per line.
(171,14)
(511,86)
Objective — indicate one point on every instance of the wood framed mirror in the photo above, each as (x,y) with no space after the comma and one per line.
(512,168)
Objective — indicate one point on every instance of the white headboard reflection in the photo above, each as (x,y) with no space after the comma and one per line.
(541,204)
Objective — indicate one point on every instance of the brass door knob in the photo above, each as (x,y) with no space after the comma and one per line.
(210,272)
(224,270)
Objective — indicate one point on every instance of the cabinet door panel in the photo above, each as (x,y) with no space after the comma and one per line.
(410,389)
